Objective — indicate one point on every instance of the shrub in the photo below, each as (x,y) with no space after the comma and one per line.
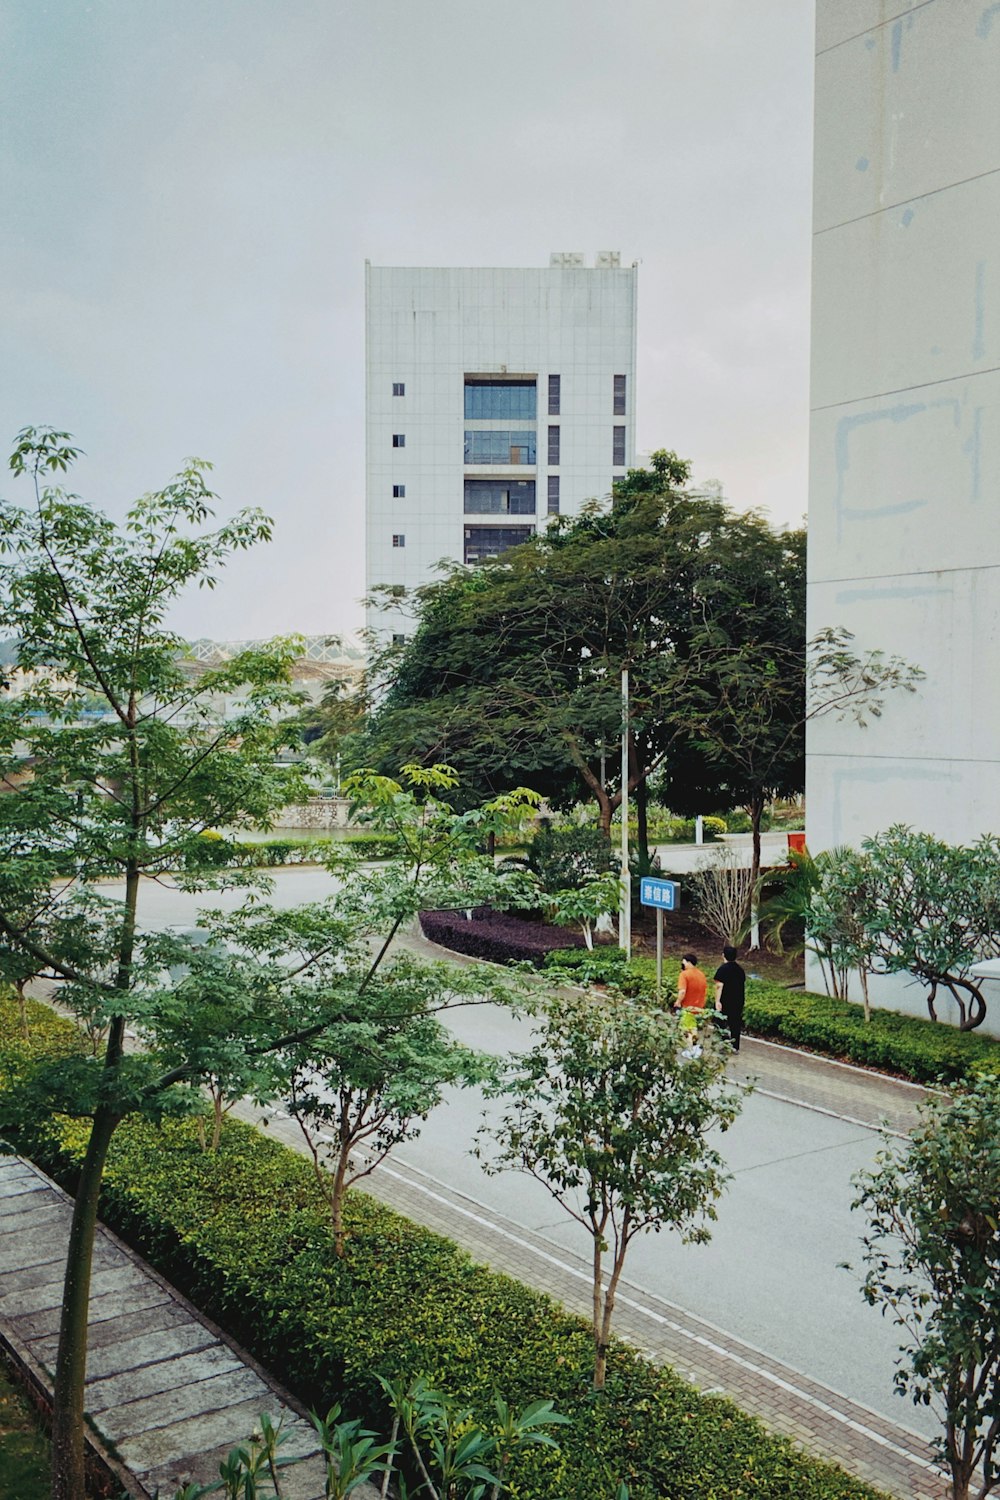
(245,1234)
(498,936)
(565,858)
(926,1051)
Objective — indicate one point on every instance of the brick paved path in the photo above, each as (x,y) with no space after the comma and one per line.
(165,1389)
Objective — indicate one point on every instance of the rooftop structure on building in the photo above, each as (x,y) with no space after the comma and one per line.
(496,399)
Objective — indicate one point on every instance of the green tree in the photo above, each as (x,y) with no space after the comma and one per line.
(514,669)
(586,904)
(933,1266)
(612,1117)
(130,795)
(933,911)
(369,1081)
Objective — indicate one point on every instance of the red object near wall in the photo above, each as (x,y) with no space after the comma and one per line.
(796,843)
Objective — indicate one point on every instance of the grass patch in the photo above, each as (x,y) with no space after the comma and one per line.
(24,1448)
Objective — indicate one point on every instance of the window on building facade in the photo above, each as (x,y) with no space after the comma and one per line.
(491,541)
(399,440)
(398,539)
(499,497)
(555,391)
(618,446)
(399,640)
(619,409)
(500,447)
(497,400)
(553,494)
(553,445)
(398,388)
(397,590)
(399,491)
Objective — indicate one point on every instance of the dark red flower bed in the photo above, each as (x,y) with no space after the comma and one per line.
(496,935)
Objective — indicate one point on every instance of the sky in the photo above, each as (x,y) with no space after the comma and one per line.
(190,189)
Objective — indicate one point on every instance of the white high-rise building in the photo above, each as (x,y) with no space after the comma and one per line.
(904,502)
(495,399)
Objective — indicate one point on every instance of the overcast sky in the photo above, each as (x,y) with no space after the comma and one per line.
(190,189)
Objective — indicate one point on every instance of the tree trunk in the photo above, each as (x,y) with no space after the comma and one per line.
(600,1353)
(863,972)
(71,1362)
(337,1201)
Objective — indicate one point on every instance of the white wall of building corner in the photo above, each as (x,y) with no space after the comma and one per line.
(904,516)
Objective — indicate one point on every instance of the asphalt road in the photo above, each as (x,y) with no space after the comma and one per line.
(772,1273)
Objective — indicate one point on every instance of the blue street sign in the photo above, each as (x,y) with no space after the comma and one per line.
(656,892)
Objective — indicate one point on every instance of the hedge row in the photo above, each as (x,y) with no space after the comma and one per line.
(926,1051)
(292,851)
(245,1234)
(498,936)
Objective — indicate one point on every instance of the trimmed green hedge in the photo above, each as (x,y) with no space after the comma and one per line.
(926,1051)
(245,1234)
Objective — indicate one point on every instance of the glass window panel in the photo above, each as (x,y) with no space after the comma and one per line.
(491,541)
(618,446)
(553,498)
(553,445)
(500,447)
(555,394)
(619,408)
(500,400)
(499,497)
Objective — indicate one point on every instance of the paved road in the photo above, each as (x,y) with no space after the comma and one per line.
(772,1274)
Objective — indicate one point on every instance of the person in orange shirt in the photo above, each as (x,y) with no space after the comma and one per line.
(692,987)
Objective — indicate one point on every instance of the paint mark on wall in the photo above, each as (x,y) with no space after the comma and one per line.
(870,43)
(862,164)
(907,217)
(979,312)
(985,23)
(915,591)
(845,435)
(896,44)
(972,448)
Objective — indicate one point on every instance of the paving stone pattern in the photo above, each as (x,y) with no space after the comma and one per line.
(165,1389)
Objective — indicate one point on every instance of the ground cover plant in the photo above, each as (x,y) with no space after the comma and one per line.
(501,937)
(24,1452)
(245,1232)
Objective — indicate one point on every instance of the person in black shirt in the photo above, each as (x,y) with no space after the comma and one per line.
(730,992)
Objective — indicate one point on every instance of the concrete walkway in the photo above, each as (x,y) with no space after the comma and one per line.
(168,1394)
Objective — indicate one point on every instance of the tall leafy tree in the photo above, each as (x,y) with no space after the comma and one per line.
(932,1253)
(130,793)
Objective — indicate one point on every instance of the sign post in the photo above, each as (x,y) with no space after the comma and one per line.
(663,895)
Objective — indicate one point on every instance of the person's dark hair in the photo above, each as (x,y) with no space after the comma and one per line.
(689,958)
(729,953)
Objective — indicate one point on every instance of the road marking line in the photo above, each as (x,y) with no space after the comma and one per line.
(819,1109)
(825,1407)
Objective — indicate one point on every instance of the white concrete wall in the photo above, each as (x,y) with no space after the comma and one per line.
(904,510)
(428,328)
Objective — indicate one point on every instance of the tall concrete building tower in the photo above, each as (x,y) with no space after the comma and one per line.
(904,506)
(495,399)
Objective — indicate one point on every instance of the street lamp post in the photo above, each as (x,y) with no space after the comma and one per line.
(625,895)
